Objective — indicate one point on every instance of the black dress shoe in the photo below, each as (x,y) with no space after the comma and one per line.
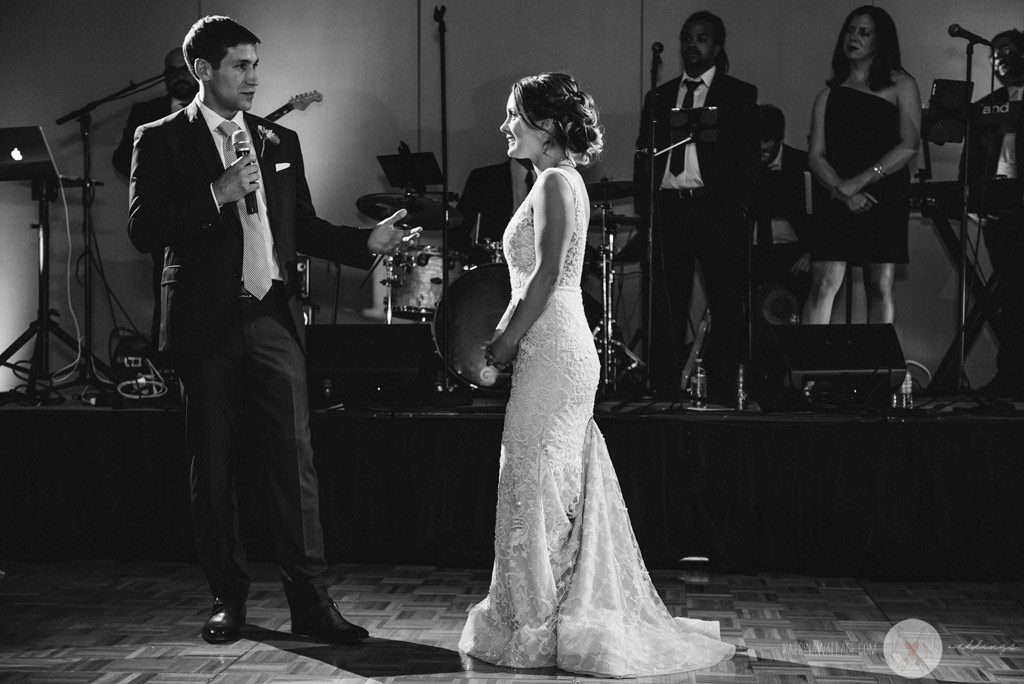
(324,623)
(224,625)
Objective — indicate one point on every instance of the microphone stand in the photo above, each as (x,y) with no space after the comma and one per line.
(446,386)
(87,374)
(960,383)
(652,212)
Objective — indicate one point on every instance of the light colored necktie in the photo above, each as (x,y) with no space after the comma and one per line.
(256,276)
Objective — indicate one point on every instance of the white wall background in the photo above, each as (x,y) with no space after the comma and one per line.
(377,65)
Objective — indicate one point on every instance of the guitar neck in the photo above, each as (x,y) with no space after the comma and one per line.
(279,112)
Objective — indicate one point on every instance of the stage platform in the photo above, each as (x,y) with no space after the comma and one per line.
(920,495)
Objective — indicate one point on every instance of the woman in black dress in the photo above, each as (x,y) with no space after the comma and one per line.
(865,130)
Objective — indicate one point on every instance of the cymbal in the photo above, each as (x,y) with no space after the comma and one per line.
(608,190)
(423,211)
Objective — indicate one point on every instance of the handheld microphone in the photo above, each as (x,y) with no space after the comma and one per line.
(240,141)
(958,31)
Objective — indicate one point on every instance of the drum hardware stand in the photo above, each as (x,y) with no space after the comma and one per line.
(388,281)
(609,347)
(494,249)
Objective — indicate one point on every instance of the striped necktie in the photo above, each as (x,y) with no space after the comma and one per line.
(256,276)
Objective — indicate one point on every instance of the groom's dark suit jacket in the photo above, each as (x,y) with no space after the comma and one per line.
(729,165)
(175,160)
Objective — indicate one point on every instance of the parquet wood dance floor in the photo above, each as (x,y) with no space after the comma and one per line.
(139,622)
(117,622)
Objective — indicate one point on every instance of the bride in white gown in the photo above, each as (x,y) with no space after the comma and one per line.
(569,587)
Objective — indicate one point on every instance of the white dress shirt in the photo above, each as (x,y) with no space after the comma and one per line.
(213,119)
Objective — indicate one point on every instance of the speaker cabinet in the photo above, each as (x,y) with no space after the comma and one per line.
(859,362)
(369,362)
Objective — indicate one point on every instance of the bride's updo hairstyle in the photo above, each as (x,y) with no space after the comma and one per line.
(556,96)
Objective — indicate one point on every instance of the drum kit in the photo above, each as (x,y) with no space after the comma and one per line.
(479,290)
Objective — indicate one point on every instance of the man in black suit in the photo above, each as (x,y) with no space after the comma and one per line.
(181,88)
(705,192)
(781,218)
(994,153)
(491,195)
(231,320)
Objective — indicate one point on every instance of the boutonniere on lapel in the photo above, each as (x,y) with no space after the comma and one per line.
(268,137)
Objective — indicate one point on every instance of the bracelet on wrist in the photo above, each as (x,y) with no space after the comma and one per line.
(877,168)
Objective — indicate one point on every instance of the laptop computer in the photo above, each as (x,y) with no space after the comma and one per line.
(25,155)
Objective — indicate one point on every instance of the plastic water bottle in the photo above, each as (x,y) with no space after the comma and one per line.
(700,385)
(741,390)
(906,397)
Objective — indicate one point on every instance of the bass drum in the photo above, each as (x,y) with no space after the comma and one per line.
(475,304)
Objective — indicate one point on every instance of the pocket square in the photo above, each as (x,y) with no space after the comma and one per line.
(281,166)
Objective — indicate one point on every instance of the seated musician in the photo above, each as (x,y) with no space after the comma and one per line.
(781,220)
(992,155)
(491,195)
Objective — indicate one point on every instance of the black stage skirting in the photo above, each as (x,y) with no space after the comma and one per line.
(918,497)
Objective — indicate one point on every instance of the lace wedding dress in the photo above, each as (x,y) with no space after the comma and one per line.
(569,587)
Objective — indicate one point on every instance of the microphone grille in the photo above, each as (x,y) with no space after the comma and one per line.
(240,139)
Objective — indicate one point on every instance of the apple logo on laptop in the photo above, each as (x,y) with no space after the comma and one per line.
(16,154)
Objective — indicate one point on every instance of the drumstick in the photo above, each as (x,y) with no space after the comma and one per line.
(376,263)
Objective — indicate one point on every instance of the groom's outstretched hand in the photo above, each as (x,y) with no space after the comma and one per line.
(388,238)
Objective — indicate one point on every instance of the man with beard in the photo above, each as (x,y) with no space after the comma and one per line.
(993,154)
(705,190)
(181,88)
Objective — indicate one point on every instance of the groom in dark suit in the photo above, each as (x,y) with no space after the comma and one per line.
(705,190)
(231,321)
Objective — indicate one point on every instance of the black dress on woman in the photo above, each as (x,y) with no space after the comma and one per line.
(859,129)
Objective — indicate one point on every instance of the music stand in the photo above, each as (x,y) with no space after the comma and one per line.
(945,121)
(40,169)
(696,124)
(411,171)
